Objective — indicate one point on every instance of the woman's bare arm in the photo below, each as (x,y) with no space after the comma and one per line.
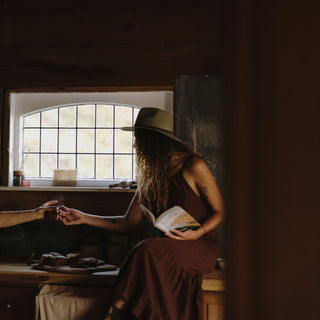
(209,190)
(114,223)
(201,180)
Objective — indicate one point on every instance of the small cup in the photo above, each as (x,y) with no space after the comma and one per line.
(26,183)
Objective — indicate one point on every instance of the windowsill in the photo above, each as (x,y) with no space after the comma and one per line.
(59,188)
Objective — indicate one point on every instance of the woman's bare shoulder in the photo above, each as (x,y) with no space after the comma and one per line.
(194,164)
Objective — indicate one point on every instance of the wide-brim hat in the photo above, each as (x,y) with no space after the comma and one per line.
(156,120)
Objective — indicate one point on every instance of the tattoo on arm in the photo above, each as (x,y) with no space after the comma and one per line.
(114,221)
(205,192)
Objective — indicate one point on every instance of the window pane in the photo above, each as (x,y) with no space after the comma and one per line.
(123,167)
(67,140)
(104,167)
(67,161)
(135,112)
(49,140)
(123,116)
(134,165)
(123,141)
(104,115)
(32,120)
(48,164)
(86,140)
(49,118)
(67,116)
(90,148)
(85,166)
(104,143)
(31,166)
(31,140)
(86,116)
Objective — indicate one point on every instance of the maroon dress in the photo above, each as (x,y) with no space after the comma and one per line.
(161,277)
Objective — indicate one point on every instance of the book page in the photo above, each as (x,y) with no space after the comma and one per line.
(176,218)
(148,214)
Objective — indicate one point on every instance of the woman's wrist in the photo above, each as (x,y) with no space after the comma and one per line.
(201,230)
(85,218)
(38,214)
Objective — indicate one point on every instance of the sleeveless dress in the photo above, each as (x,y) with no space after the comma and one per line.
(161,277)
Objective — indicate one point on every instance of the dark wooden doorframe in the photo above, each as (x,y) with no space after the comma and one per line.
(272,162)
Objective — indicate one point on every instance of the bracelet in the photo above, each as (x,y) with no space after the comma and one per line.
(204,229)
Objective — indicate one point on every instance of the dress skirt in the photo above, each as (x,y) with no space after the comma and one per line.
(161,277)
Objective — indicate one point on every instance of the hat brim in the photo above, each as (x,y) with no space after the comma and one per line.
(164,132)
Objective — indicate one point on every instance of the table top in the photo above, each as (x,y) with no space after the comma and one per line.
(16,273)
(21,274)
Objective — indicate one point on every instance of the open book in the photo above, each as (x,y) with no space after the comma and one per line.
(173,218)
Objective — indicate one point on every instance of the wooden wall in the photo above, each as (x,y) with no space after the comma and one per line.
(105,45)
(271,51)
(43,236)
(108,43)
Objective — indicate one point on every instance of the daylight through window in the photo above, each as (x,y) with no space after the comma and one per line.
(86,137)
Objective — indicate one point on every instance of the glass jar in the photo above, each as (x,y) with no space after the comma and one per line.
(18,178)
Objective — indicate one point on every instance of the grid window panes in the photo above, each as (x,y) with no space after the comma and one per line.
(86,137)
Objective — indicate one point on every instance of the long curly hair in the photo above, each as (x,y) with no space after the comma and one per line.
(154,159)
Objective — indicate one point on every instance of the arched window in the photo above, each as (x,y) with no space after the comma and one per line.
(77,130)
(86,137)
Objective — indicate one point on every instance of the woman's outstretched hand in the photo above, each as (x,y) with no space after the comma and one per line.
(186,235)
(70,216)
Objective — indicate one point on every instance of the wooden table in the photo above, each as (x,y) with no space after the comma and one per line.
(19,284)
(15,273)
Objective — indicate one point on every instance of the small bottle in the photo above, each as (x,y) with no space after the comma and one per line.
(18,178)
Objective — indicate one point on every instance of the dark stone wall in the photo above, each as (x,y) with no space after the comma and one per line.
(199,122)
(199,118)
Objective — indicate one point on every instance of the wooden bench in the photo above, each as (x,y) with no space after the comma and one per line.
(213,286)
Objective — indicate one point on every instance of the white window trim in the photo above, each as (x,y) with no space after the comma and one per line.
(24,103)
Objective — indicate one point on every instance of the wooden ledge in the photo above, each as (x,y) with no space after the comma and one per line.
(214,281)
(68,189)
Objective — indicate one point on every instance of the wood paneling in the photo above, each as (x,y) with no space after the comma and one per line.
(1,132)
(107,44)
(17,302)
(38,237)
(109,202)
(4,136)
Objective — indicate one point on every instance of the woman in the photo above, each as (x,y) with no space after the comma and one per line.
(171,264)
(12,218)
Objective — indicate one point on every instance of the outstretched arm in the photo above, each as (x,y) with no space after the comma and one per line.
(11,218)
(124,223)
(200,178)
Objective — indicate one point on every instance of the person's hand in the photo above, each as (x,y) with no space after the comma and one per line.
(70,216)
(186,235)
(49,208)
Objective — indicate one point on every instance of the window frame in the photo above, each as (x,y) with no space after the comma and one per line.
(166,103)
(82,181)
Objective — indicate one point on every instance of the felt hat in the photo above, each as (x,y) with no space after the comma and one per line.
(156,120)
